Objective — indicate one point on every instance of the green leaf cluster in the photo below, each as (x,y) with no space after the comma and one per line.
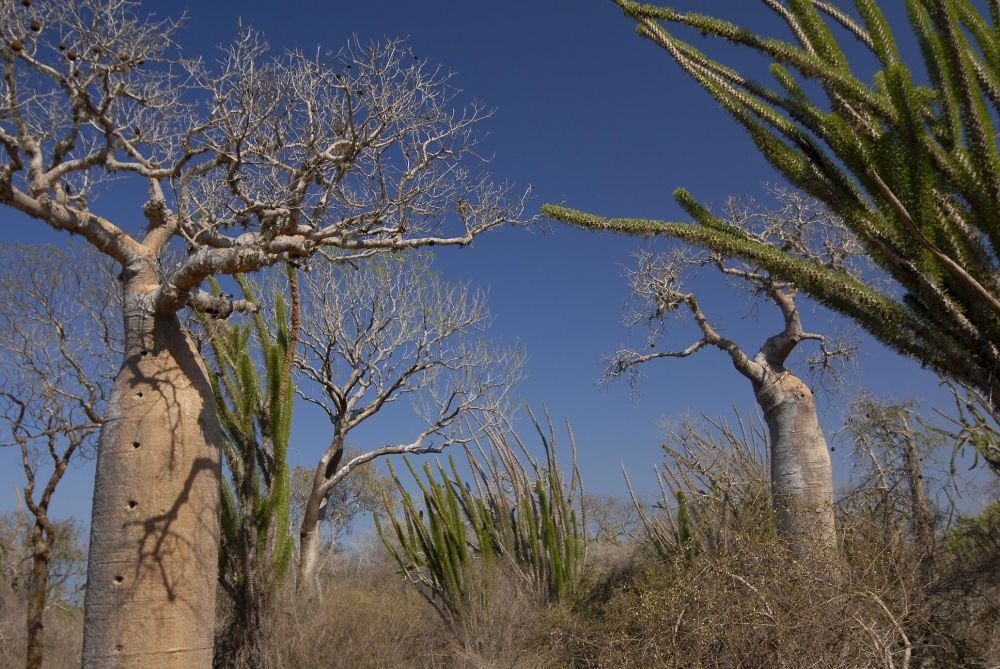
(907,158)
(976,537)
(522,517)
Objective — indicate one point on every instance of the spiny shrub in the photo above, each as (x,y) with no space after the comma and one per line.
(713,489)
(519,516)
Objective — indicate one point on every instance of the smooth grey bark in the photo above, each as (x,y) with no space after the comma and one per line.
(153,558)
(309,532)
(801,471)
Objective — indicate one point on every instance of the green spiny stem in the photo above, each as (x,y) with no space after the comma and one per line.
(529,525)
(255,397)
(912,168)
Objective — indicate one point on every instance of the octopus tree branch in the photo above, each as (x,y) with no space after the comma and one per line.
(219,306)
(957,271)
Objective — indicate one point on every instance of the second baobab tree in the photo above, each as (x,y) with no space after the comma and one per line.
(221,166)
(801,472)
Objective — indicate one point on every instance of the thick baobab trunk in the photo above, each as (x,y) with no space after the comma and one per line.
(801,473)
(154,537)
(308,552)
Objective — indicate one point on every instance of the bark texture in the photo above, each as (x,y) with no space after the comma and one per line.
(313,515)
(921,511)
(41,546)
(801,472)
(154,536)
(308,555)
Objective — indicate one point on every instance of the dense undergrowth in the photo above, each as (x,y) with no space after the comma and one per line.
(702,579)
(745,602)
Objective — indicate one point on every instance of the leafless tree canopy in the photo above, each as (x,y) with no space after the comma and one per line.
(797,225)
(59,334)
(392,331)
(249,158)
(388,332)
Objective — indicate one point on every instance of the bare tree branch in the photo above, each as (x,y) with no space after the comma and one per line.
(55,374)
(799,226)
(386,332)
(253,160)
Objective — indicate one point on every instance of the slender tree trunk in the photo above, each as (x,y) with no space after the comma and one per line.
(309,540)
(37,596)
(801,473)
(921,514)
(241,643)
(152,568)
(308,554)
(312,516)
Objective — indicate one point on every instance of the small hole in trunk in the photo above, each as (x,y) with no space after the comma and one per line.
(119,578)
(136,444)
(138,395)
(132,504)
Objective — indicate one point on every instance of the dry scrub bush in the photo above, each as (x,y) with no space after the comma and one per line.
(369,616)
(966,589)
(720,590)
(713,488)
(752,603)
(63,626)
(366,618)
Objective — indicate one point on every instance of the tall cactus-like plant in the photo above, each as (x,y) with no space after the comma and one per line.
(517,516)
(906,157)
(255,396)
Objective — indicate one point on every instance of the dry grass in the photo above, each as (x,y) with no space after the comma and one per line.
(743,603)
(751,603)
(367,616)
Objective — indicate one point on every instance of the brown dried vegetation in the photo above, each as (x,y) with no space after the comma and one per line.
(729,594)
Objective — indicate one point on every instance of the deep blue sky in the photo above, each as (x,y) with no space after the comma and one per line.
(591,116)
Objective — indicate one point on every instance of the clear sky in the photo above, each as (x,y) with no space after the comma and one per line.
(594,117)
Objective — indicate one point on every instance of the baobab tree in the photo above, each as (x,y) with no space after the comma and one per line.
(58,338)
(905,153)
(392,333)
(801,472)
(245,161)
